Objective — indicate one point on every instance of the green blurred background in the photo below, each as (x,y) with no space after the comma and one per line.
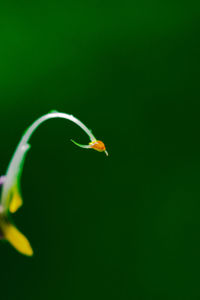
(122,227)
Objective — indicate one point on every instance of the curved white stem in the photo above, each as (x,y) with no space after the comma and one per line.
(16,164)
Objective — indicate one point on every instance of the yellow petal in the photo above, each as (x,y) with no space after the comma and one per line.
(16,238)
(16,202)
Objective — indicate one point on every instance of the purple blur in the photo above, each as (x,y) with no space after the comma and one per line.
(2,180)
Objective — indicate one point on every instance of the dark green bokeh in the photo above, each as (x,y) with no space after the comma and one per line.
(122,227)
